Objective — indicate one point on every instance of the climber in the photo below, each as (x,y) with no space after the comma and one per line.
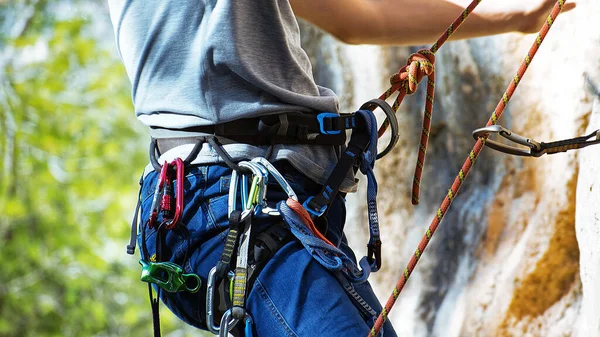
(222,82)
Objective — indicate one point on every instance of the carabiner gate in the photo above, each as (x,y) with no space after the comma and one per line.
(535,148)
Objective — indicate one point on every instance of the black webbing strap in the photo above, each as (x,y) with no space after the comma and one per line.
(358,144)
(135,221)
(224,264)
(567,144)
(285,128)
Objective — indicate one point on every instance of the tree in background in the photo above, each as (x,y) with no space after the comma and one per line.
(70,151)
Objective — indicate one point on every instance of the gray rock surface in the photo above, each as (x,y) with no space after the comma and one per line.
(518,254)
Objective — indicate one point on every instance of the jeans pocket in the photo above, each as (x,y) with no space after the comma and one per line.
(216,213)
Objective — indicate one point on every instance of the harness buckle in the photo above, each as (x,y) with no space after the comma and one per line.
(321,117)
(309,209)
(169,276)
(374,255)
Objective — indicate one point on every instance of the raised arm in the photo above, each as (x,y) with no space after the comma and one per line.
(410,22)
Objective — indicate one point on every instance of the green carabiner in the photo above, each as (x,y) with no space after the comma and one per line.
(255,190)
(169,277)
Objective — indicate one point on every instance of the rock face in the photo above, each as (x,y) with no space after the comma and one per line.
(518,253)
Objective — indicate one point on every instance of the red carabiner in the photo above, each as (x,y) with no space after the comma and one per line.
(157,191)
(179,168)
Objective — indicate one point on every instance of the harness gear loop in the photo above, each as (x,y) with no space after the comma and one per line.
(169,277)
(535,149)
(469,162)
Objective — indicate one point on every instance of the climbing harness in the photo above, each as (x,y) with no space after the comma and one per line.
(534,148)
(228,282)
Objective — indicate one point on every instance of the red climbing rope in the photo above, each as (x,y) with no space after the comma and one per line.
(419,65)
(464,171)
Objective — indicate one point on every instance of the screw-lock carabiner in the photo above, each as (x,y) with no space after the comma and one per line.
(163,191)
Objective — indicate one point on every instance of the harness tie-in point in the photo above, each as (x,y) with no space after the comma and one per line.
(419,65)
(406,81)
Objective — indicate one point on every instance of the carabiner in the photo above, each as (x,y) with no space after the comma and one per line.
(163,191)
(179,167)
(257,191)
(211,288)
(227,323)
(154,209)
(535,148)
(278,177)
(169,277)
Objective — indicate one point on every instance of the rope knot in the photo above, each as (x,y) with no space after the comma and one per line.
(419,65)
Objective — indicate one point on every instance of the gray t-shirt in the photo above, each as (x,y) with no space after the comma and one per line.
(196,63)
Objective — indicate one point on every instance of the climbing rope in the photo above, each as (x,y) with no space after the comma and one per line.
(419,65)
(464,171)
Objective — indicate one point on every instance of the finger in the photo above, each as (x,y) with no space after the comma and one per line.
(569,6)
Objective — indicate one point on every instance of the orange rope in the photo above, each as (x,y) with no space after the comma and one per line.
(421,64)
(462,174)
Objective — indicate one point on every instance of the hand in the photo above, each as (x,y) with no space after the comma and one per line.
(535,13)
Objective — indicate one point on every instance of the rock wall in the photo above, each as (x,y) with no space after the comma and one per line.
(518,253)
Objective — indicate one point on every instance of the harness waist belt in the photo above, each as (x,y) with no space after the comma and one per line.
(284,128)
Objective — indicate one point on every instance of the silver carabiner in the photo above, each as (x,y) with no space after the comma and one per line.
(227,323)
(278,177)
(211,288)
(534,147)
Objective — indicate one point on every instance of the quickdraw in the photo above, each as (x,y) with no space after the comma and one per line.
(534,148)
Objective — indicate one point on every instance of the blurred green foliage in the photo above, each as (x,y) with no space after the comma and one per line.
(71,152)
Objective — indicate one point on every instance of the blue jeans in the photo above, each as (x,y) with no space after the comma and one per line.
(293,295)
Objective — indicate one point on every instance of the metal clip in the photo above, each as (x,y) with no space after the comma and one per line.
(227,324)
(211,289)
(169,277)
(278,177)
(535,148)
(163,191)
